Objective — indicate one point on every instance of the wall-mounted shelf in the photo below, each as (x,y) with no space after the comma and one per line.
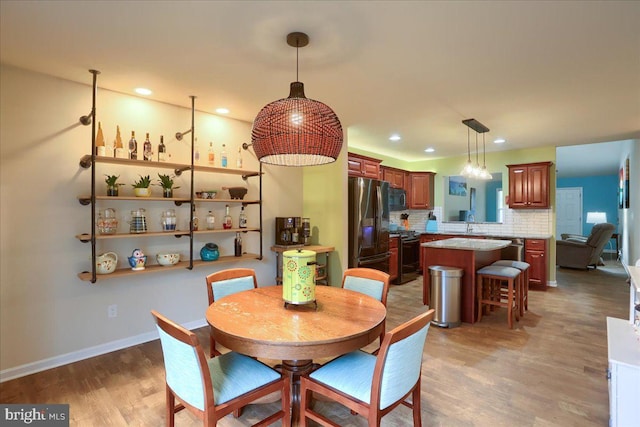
(155,268)
(89,162)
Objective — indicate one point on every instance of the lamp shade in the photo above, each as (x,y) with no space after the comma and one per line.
(297,131)
(596,217)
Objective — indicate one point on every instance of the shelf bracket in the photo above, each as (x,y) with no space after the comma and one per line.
(178,171)
(86,161)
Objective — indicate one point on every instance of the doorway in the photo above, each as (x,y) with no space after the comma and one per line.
(569,211)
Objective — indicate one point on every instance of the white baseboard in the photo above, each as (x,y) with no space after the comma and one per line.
(64,359)
(552,284)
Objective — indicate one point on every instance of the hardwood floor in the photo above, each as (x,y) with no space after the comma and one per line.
(548,371)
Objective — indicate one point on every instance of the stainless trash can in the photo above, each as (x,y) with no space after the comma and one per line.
(445,295)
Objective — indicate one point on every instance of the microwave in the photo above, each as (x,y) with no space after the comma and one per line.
(397,199)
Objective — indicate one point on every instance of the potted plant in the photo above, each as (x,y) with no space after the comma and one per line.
(141,186)
(166,182)
(112,185)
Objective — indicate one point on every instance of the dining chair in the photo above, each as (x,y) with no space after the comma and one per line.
(371,385)
(214,388)
(368,281)
(227,282)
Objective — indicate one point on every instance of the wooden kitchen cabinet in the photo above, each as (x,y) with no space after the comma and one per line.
(394,260)
(421,190)
(529,185)
(397,178)
(363,166)
(536,255)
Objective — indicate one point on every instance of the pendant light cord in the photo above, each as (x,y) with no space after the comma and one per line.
(468,146)
(297,49)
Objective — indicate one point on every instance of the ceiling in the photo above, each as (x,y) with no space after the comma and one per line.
(535,73)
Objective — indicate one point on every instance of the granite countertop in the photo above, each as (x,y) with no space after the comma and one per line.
(490,235)
(468,244)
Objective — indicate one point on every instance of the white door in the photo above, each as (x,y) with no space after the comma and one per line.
(569,211)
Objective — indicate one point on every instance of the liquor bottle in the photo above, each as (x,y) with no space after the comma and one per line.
(242,220)
(237,245)
(228,221)
(147,149)
(162,150)
(101,150)
(196,152)
(119,148)
(133,146)
(223,156)
(211,155)
(194,218)
(211,220)
(239,158)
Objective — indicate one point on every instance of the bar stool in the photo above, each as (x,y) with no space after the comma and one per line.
(524,281)
(492,292)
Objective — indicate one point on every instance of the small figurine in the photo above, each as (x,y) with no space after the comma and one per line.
(137,260)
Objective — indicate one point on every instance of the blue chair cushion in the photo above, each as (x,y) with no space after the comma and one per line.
(497,270)
(351,373)
(520,265)
(372,288)
(233,374)
(228,287)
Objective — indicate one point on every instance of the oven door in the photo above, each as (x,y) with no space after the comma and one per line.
(409,260)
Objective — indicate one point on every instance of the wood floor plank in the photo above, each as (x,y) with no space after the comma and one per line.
(549,371)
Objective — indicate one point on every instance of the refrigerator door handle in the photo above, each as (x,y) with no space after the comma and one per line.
(375,260)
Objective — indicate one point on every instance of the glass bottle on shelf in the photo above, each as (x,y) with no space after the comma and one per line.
(228,221)
(242,219)
(211,220)
(237,246)
(223,156)
(147,149)
(133,146)
(194,218)
(119,148)
(211,155)
(239,158)
(162,150)
(101,150)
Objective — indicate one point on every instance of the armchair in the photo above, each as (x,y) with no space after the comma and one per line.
(583,251)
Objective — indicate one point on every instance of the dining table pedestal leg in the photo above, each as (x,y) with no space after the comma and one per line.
(294,369)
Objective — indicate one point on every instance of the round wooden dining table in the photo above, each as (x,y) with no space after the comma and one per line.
(257,323)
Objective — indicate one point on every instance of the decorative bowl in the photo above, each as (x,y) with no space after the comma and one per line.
(237,192)
(106,263)
(209,194)
(167,259)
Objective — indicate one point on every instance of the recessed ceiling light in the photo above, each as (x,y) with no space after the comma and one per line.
(499,141)
(222,110)
(429,150)
(143,91)
(395,137)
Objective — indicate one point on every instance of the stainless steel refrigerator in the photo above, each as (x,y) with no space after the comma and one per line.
(369,223)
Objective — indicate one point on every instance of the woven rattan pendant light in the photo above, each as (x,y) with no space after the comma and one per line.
(297,131)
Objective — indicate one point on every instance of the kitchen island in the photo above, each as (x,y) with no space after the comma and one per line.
(467,254)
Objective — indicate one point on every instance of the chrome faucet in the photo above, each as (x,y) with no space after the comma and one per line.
(470,219)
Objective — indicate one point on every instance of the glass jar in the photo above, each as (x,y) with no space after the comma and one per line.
(107,222)
(169,220)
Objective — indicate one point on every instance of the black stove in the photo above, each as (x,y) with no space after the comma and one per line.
(409,256)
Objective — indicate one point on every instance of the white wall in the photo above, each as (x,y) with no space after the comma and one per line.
(47,315)
(630,218)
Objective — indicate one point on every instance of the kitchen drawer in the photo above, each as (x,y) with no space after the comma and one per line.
(535,244)
(393,242)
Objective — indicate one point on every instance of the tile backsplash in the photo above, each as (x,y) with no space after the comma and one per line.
(517,222)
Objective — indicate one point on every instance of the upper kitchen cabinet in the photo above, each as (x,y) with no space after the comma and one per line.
(529,185)
(362,166)
(421,190)
(397,178)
